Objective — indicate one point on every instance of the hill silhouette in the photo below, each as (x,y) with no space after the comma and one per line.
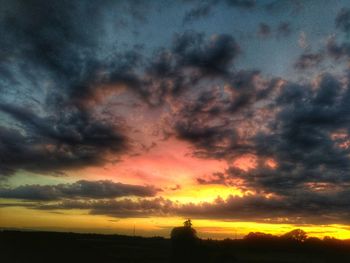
(183,246)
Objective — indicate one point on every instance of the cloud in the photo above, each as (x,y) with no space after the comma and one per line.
(284,29)
(319,208)
(307,139)
(60,77)
(80,189)
(123,208)
(58,80)
(214,141)
(264,30)
(215,178)
(292,7)
(201,11)
(55,69)
(303,41)
(342,21)
(213,57)
(337,50)
(295,125)
(214,120)
(64,140)
(308,60)
(302,128)
(241,3)
(340,49)
(192,59)
(306,209)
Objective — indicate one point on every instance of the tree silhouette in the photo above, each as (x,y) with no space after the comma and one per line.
(188,223)
(259,236)
(298,235)
(184,242)
(185,233)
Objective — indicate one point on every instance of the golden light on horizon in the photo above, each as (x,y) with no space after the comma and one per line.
(80,221)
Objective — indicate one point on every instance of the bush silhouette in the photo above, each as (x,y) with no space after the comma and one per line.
(298,235)
(259,236)
(184,233)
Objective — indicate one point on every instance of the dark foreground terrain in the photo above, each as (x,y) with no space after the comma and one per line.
(17,246)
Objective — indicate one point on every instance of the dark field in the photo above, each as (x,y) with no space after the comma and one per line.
(16,246)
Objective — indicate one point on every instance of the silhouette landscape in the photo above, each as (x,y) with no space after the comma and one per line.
(183,246)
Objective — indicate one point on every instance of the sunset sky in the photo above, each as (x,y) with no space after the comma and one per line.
(123,114)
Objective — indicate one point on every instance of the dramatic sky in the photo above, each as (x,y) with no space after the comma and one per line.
(234,113)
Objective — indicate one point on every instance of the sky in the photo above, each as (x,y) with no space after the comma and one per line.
(117,115)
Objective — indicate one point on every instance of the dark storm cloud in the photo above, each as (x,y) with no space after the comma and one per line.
(55,43)
(48,37)
(305,130)
(300,209)
(245,91)
(291,6)
(68,139)
(116,71)
(319,208)
(48,34)
(241,3)
(191,59)
(342,20)
(213,57)
(335,48)
(214,141)
(264,30)
(58,73)
(284,29)
(211,121)
(215,178)
(202,11)
(303,140)
(80,189)
(300,135)
(308,60)
(338,50)
(123,208)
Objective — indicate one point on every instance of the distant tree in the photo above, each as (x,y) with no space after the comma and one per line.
(328,238)
(298,235)
(313,240)
(188,223)
(331,240)
(184,233)
(184,243)
(259,236)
